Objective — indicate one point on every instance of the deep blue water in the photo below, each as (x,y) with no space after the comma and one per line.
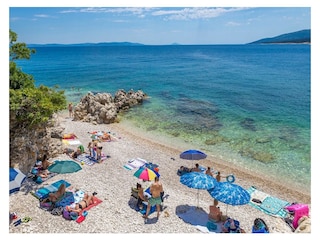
(246,103)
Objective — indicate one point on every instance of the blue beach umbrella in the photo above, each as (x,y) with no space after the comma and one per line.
(193,155)
(230,193)
(198,181)
(16,178)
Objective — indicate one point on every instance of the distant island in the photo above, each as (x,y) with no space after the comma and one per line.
(102,44)
(302,36)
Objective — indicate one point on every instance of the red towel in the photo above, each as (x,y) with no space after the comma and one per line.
(96,201)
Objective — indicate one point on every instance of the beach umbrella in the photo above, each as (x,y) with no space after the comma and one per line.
(198,181)
(146,174)
(193,155)
(16,178)
(230,194)
(64,167)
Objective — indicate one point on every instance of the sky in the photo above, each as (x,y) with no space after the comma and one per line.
(155,25)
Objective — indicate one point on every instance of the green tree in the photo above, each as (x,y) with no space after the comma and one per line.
(30,105)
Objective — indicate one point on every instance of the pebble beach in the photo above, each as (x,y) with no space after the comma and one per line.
(113,182)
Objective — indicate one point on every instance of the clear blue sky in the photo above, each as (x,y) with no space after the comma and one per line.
(154,25)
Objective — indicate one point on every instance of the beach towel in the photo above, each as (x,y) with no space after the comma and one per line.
(83,158)
(71,141)
(135,163)
(44,191)
(66,200)
(266,203)
(96,201)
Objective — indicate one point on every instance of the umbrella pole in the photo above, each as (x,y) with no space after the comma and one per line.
(198,199)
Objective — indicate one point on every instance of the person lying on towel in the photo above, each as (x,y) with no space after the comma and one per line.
(84,203)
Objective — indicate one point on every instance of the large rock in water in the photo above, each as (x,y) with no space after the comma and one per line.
(102,108)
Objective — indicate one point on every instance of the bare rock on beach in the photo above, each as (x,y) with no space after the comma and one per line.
(102,108)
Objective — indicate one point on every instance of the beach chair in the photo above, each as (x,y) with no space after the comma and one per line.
(299,210)
(134,193)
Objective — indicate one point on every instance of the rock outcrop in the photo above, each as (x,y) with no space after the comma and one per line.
(102,108)
(29,144)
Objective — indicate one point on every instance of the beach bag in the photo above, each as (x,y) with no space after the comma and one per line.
(69,215)
(47,205)
(57,211)
(66,214)
(38,179)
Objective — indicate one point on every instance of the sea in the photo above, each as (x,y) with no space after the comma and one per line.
(248,105)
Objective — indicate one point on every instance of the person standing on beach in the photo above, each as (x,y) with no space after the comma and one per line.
(155,189)
(70,108)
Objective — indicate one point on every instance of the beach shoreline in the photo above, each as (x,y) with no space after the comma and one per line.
(113,182)
(217,163)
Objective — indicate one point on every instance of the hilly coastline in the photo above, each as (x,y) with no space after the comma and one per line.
(302,36)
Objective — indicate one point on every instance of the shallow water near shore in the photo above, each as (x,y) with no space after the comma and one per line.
(246,105)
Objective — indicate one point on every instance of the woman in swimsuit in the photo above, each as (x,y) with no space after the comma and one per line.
(85,202)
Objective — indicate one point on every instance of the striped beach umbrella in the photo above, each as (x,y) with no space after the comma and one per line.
(146,174)
(16,178)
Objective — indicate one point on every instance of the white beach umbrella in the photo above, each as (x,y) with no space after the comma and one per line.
(16,178)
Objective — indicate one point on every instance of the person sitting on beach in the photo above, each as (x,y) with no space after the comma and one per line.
(182,170)
(208,172)
(141,196)
(232,226)
(84,203)
(155,189)
(68,151)
(54,197)
(196,168)
(45,163)
(42,170)
(215,213)
(76,153)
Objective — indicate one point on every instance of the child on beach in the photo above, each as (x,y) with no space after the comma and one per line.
(90,148)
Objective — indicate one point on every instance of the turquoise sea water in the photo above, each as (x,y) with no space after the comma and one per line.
(249,104)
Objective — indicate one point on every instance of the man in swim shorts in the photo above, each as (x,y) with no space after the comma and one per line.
(155,189)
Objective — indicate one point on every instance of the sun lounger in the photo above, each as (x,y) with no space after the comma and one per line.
(43,192)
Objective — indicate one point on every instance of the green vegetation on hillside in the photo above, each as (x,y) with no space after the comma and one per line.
(302,36)
(29,105)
